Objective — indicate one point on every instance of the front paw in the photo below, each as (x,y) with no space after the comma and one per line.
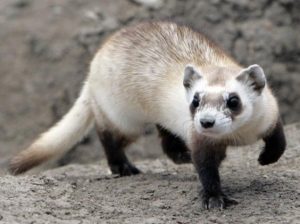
(220,201)
(268,156)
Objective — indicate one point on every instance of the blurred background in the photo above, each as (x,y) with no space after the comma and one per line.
(46,47)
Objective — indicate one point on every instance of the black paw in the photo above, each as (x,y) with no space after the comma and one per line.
(267,157)
(216,202)
(124,169)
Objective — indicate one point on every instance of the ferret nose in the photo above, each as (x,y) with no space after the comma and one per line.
(207,122)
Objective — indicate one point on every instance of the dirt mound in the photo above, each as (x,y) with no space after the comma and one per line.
(165,193)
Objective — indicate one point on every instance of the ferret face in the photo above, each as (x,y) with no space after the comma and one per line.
(221,107)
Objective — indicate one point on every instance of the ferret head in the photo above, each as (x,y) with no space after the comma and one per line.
(223,100)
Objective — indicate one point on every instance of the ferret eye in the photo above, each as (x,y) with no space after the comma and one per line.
(233,103)
(196,101)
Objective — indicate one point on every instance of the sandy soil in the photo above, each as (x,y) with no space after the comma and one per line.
(165,193)
(45,50)
(46,47)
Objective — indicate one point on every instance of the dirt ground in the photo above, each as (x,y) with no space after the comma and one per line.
(45,51)
(165,193)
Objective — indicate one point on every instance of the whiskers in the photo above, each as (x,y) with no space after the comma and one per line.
(224,121)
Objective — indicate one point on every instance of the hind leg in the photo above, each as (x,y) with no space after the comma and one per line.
(174,147)
(114,145)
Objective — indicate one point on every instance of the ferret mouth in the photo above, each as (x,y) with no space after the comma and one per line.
(212,133)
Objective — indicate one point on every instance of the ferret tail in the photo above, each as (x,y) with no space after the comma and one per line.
(58,139)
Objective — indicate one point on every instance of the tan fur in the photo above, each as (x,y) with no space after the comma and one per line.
(146,52)
(136,79)
(28,159)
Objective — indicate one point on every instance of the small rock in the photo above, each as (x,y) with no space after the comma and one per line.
(74,185)
(160,204)
(146,197)
(154,4)
(48,212)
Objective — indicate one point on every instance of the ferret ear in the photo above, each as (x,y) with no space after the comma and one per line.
(191,75)
(254,77)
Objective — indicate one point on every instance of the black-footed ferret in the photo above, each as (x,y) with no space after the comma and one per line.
(161,73)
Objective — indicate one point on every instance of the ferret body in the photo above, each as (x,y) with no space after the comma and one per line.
(161,73)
